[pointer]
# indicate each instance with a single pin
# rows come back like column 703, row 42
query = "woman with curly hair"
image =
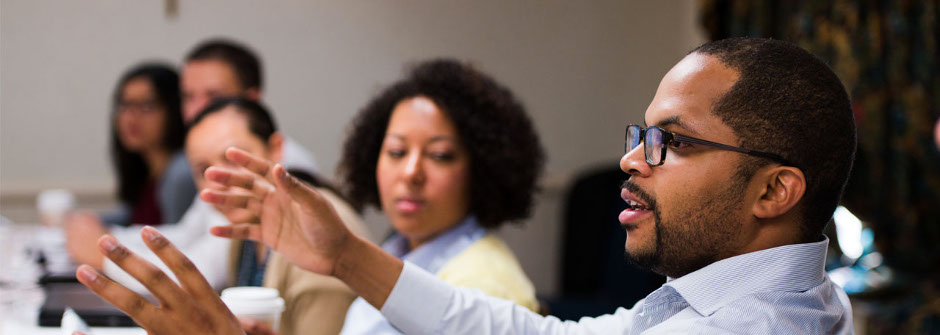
column 449, row 155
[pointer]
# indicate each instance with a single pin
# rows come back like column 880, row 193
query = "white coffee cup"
column 53, row 205
column 260, row 304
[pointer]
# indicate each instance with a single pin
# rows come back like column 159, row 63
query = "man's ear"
column 276, row 147
column 253, row 94
column 782, row 188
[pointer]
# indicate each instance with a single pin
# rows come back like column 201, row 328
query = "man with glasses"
column 749, row 145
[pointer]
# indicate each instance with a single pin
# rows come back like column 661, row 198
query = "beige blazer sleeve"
column 314, row 304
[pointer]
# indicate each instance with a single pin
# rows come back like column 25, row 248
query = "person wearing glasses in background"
column 738, row 232
column 154, row 184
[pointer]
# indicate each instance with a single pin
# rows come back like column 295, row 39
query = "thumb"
column 297, row 189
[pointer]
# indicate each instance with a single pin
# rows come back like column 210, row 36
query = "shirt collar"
column 789, row 268
column 431, row 256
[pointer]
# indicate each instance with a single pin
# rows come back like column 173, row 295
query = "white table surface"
column 20, row 297
column 16, row 328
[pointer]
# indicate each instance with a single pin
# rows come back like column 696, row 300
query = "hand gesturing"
column 191, row 307
column 295, row 220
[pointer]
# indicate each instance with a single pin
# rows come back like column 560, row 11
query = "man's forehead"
column 226, row 123
column 676, row 122
column 686, row 95
column 210, row 71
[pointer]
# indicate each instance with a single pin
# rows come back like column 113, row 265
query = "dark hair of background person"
column 132, row 170
column 505, row 154
column 262, row 125
column 244, row 62
column 789, row 102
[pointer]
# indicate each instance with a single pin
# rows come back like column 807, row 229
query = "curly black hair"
column 506, row 157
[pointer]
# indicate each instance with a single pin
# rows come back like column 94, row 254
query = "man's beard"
column 694, row 236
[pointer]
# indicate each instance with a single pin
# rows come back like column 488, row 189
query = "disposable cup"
column 260, row 304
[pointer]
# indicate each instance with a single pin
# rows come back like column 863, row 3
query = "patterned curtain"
column 886, row 53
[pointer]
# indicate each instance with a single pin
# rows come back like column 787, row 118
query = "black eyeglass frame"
column 670, row 137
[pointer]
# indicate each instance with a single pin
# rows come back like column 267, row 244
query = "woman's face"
column 140, row 116
column 423, row 171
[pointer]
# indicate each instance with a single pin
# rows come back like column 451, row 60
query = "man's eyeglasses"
column 656, row 140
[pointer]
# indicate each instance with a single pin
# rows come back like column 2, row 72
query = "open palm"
column 296, row 220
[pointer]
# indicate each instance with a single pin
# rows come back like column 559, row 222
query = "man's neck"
column 769, row 234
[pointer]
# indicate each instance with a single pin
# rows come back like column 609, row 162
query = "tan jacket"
column 314, row 304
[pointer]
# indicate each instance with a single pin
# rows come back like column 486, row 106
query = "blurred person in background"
column 449, row 155
column 154, row 183
column 225, row 68
column 314, row 304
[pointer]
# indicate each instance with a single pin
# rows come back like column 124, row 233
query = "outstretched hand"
column 295, row 219
column 191, row 307
column 300, row 224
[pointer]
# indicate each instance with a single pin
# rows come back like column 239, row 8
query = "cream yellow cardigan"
column 490, row 266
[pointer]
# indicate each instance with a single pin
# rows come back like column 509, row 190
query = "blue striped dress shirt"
column 782, row 290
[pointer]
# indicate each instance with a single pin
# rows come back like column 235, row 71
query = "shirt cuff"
column 418, row 301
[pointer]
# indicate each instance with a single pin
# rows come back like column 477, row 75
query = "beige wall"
column 584, row 70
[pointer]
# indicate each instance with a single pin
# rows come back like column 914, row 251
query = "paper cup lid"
column 252, row 300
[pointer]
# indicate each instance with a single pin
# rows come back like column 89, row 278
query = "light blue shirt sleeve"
column 423, row 304
column 781, row 290
column 362, row 318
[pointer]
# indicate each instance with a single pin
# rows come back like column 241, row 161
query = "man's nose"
column 634, row 162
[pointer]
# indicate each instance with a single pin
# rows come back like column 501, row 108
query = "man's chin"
column 646, row 259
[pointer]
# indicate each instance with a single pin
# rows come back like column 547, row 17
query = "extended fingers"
column 231, row 177
column 254, row 163
column 241, row 179
column 243, row 231
column 157, row 282
column 138, row 308
column 297, row 189
column 186, row 272
column 231, row 199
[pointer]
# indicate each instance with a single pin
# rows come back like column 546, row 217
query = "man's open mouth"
column 634, row 205
column 633, row 201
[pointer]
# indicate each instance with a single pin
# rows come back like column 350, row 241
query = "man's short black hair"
column 506, row 156
column 789, row 102
column 244, row 62
column 260, row 121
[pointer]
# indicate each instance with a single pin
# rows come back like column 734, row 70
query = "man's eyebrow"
column 677, row 122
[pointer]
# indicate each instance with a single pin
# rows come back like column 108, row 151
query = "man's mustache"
column 639, row 193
